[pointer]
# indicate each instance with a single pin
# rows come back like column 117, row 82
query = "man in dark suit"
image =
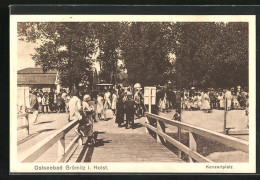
column 34, row 106
column 51, row 100
column 178, row 101
column 129, row 110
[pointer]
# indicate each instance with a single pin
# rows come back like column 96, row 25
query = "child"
column 176, row 116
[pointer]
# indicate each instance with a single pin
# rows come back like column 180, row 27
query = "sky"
column 24, row 50
column 25, row 59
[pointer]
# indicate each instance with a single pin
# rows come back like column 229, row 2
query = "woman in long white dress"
column 221, row 101
column 205, row 104
column 164, row 103
column 99, row 106
column 114, row 100
column 107, row 104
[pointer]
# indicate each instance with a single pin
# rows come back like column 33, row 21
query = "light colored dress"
column 199, row 101
column 228, row 96
column 99, row 104
column 114, row 99
column 75, row 108
column 236, row 104
column 107, row 103
column 164, row 102
column 205, row 104
column 221, row 101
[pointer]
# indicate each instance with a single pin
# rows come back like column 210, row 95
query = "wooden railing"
column 33, row 153
column 25, row 122
column 156, row 124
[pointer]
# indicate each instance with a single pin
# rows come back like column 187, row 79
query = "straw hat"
column 86, row 97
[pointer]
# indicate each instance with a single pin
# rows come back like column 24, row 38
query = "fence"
column 33, row 153
column 156, row 124
column 25, row 124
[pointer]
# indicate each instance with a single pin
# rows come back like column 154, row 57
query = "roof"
column 23, row 79
column 104, row 84
column 36, row 71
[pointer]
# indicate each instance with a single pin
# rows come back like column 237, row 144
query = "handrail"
column 33, row 153
column 229, row 141
column 22, row 115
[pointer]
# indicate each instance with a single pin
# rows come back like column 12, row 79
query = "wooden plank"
column 192, row 145
column 61, row 148
column 22, row 115
column 125, row 148
column 22, row 127
column 229, row 141
column 180, row 146
column 69, row 150
column 35, row 151
column 160, row 127
column 238, row 132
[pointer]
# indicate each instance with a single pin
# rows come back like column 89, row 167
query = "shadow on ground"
column 89, row 149
column 33, row 135
column 44, row 122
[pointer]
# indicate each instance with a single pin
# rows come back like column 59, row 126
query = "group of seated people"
column 206, row 99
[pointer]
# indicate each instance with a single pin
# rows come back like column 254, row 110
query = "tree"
column 108, row 35
column 211, row 54
column 65, row 46
column 202, row 54
column 145, row 51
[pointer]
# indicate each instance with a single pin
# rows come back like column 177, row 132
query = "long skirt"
column 86, row 125
column 199, row 104
column 120, row 112
column 228, row 103
column 205, row 105
column 40, row 107
column 99, row 109
column 236, row 104
column 113, row 104
column 222, row 103
column 164, row 104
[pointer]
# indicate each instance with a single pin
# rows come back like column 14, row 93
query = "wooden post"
column 80, row 141
column 28, row 124
column 24, row 100
column 160, row 127
column 150, row 109
column 179, row 136
column 225, row 117
column 25, row 118
column 192, row 144
column 61, row 147
column 25, row 123
column 150, row 101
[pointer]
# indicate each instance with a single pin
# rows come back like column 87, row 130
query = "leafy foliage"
column 211, row 54
column 64, row 46
column 201, row 54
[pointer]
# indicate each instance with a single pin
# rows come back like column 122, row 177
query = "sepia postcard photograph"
column 132, row 93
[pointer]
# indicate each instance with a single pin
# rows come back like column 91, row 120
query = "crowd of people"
column 126, row 104
column 206, row 100
column 119, row 102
